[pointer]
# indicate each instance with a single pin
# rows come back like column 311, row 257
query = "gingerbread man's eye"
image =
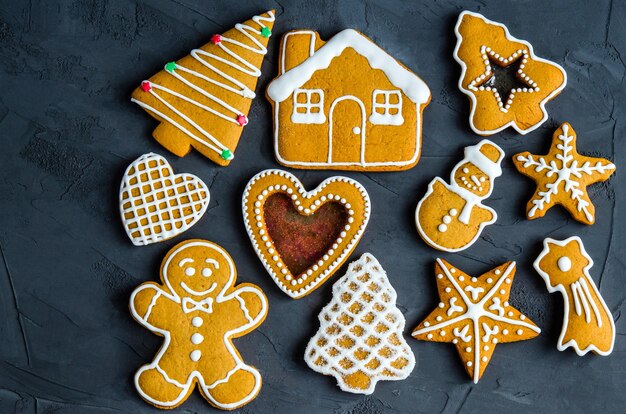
column 190, row 271
column 206, row 272
column 465, row 170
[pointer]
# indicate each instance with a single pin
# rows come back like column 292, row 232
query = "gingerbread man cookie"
column 508, row 85
column 198, row 311
column 475, row 315
column 587, row 322
column 450, row 217
column 562, row 177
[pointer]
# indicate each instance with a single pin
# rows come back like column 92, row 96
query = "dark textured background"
column 67, row 341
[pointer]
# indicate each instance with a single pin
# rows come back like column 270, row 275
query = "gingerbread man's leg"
column 241, row 386
column 155, row 387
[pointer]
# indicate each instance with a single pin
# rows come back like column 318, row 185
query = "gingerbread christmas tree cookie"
column 360, row 341
column 588, row 324
column 451, row 217
column 203, row 99
column 508, row 85
column 198, row 310
column 562, row 177
column 475, row 315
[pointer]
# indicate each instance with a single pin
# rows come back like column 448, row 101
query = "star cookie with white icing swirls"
column 562, row 177
column 474, row 314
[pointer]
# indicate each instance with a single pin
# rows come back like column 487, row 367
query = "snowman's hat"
column 487, row 156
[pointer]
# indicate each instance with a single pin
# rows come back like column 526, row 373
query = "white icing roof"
column 413, row 87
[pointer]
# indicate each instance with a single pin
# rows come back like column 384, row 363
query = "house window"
column 386, row 108
column 308, row 106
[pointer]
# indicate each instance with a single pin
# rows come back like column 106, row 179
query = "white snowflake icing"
column 569, row 166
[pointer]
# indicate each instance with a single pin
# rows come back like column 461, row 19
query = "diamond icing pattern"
column 157, row 204
column 360, row 341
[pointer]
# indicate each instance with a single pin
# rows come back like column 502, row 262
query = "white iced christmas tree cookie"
column 360, row 341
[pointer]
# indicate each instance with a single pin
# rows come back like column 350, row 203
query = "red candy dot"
column 145, row 86
column 216, row 39
column 242, row 119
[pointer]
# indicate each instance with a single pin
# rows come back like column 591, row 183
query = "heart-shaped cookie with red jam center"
column 303, row 237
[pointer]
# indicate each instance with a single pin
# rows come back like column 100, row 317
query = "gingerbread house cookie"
column 508, row 85
column 345, row 104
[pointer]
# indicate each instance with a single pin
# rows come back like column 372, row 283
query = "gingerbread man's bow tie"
column 205, row 305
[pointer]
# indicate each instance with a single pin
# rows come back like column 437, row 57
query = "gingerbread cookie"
column 156, row 204
column 562, row 177
column 198, row 310
column 360, row 341
column 587, row 322
column 508, row 85
column 203, row 99
column 450, row 217
column 303, row 237
column 345, row 104
column 475, row 315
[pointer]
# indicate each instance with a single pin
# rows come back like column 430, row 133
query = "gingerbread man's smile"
column 195, row 292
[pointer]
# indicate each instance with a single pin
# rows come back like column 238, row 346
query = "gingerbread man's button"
column 197, row 321
column 197, row 338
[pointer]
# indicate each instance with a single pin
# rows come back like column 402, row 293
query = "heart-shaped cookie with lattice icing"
column 302, row 237
column 156, row 204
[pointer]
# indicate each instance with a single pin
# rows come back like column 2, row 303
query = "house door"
column 346, row 133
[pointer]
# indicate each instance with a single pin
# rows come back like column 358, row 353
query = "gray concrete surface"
column 68, row 130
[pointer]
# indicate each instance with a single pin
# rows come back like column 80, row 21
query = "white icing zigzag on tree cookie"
column 240, row 89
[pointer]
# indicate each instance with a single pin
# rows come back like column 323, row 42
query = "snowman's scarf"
column 470, row 198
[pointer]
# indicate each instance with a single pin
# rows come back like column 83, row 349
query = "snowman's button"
column 442, row 228
column 197, row 321
column 453, row 212
column 197, row 338
column 447, row 219
column 195, row 355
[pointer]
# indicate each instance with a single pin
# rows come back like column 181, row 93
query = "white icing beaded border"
column 470, row 93
column 305, row 195
column 487, row 52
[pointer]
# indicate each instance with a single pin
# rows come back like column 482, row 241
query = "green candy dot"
column 226, row 154
column 265, row 32
column 170, row 66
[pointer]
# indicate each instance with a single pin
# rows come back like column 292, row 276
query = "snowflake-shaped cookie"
column 562, row 177
column 474, row 314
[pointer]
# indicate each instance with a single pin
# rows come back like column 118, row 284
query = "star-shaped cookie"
column 562, row 177
column 474, row 314
column 508, row 85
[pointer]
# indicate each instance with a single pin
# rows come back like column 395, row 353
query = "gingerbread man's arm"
column 149, row 303
column 246, row 308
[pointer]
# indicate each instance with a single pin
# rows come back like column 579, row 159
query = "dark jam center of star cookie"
column 302, row 240
column 505, row 79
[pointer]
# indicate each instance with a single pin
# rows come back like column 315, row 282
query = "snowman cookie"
column 450, row 217
column 198, row 311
